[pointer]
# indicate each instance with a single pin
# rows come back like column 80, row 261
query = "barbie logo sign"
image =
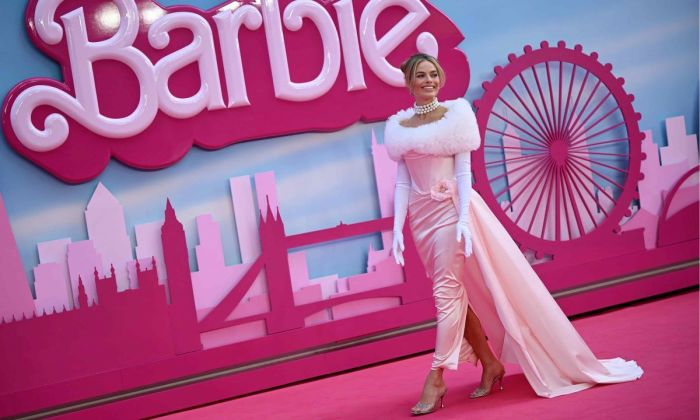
column 144, row 83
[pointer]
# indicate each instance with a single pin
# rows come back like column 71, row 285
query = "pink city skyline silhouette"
column 100, row 308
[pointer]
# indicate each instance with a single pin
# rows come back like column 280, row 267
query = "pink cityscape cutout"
column 99, row 307
column 663, row 169
column 62, row 262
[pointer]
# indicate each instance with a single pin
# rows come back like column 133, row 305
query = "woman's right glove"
column 463, row 173
column 401, row 192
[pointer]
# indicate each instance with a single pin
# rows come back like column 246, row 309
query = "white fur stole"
column 456, row 132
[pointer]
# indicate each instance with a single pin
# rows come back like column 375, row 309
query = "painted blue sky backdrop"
column 325, row 178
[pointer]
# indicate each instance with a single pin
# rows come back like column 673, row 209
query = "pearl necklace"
column 424, row 109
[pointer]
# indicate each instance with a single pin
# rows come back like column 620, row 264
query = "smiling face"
column 426, row 82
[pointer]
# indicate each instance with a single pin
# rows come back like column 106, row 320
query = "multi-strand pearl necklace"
column 424, row 109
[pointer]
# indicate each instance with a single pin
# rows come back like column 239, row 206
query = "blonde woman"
column 479, row 275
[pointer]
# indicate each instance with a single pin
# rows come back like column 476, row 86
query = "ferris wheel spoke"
column 512, row 171
column 513, row 199
column 600, row 188
column 612, row 127
column 542, row 135
column 597, row 173
column 534, row 103
column 532, row 156
column 516, row 182
column 590, row 193
column 507, row 121
column 550, row 181
column 615, row 168
column 503, row 133
column 592, row 145
column 566, row 194
column 578, row 97
column 537, row 149
column 585, row 105
column 576, row 135
column 557, row 208
column 561, row 64
column 527, row 108
column 599, row 153
column 555, row 129
column 574, row 207
column 539, row 200
column 570, row 175
column 575, row 131
column 534, row 192
column 564, row 120
column 544, row 103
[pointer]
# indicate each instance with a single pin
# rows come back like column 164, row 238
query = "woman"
column 496, row 285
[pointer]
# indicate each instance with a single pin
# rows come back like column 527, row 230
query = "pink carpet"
column 661, row 335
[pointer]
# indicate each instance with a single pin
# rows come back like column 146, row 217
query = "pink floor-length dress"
column 523, row 322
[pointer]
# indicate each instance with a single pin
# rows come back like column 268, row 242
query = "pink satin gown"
column 523, row 322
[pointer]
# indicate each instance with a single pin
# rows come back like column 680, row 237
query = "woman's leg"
column 451, row 304
column 492, row 367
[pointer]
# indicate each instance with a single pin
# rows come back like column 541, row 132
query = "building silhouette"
column 177, row 266
column 116, row 329
column 15, row 297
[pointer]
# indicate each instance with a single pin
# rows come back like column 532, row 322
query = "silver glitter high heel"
column 426, row 408
column 482, row 392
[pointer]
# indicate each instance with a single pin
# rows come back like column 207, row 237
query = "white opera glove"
column 401, row 192
column 463, row 174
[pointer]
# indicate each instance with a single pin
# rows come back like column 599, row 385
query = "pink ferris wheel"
column 561, row 152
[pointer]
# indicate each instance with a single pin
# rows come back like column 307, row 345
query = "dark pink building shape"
column 177, row 267
column 282, row 297
column 124, row 329
column 15, row 297
column 134, row 327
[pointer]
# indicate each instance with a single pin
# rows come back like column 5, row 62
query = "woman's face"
column 426, row 82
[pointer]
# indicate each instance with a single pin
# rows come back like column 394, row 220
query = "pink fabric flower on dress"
column 443, row 190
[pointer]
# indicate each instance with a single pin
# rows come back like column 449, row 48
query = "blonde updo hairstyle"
column 409, row 67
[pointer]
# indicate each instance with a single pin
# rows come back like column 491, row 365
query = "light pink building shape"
column 246, row 218
column 106, row 227
column 385, row 179
column 51, row 279
column 662, row 169
column 50, row 291
column 213, row 280
column 83, row 260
